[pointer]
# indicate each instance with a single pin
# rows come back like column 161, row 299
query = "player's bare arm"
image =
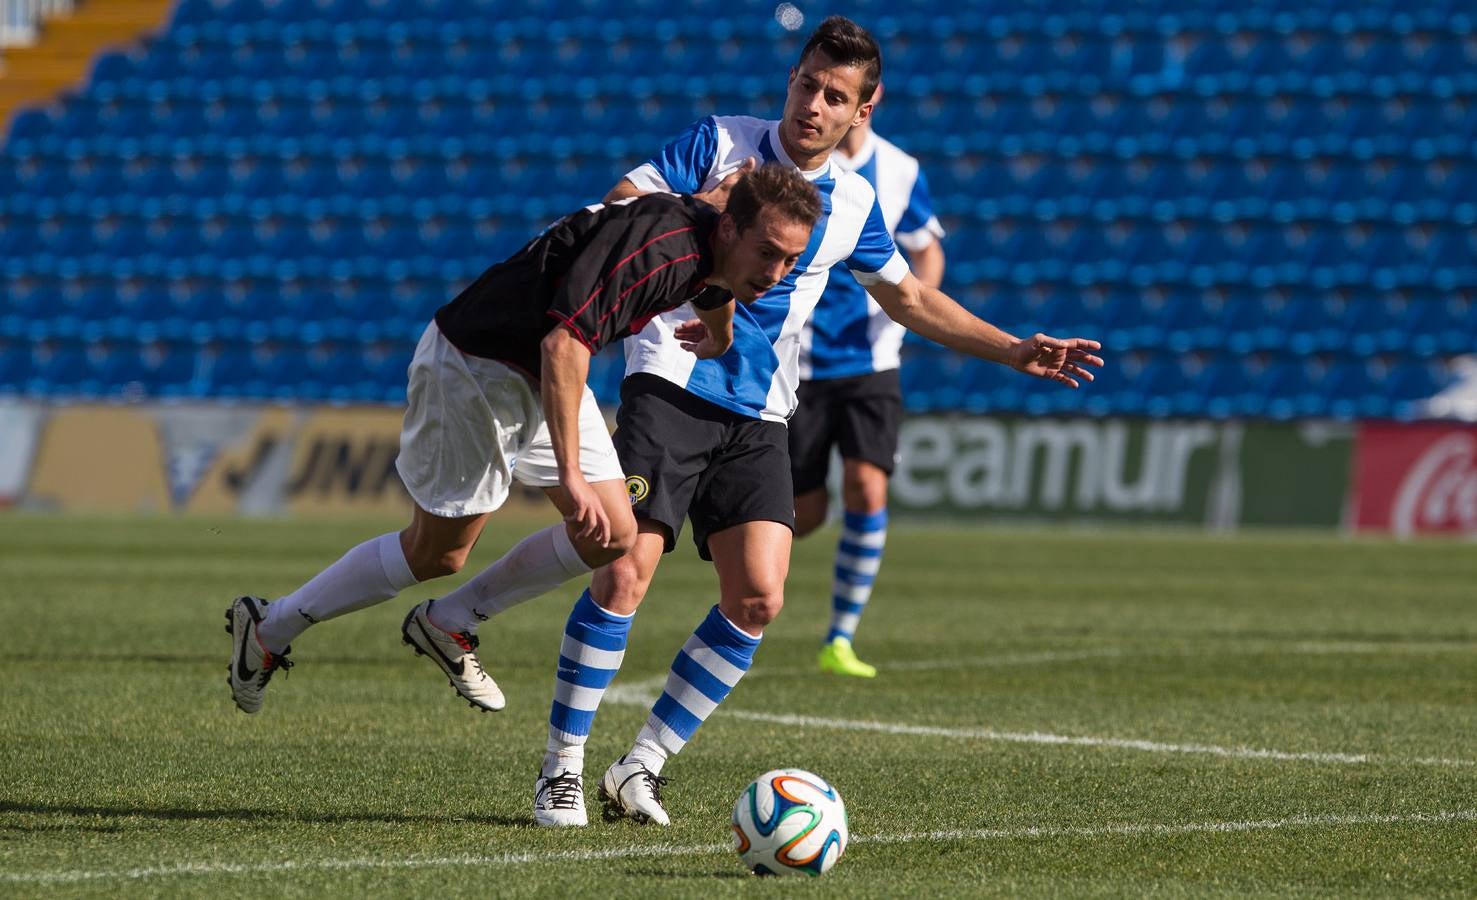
column 927, row 264
column 565, row 367
column 717, row 197
column 939, row 317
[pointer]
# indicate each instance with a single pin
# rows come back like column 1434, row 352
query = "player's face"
column 822, row 104
column 760, row 256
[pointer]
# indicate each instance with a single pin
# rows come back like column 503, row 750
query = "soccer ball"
column 789, row 822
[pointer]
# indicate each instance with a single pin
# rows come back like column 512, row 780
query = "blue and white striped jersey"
column 849, row 333
column 757, row 377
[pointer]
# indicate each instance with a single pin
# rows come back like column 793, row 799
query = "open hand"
column 697, row 340
column 1056, row 359
column 588, row 515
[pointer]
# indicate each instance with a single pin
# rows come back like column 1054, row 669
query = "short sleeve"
column 683, row 164
column 919, row 226
column 629, row 268
column 876, row 257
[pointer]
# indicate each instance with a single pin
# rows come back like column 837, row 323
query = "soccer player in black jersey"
column 497, row 393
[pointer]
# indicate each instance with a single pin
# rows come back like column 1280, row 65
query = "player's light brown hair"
column 774, row 185
column 849, row 44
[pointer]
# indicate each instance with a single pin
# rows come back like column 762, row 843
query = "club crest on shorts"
column 637, row 488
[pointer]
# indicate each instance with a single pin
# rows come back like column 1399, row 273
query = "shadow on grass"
column 251, row 815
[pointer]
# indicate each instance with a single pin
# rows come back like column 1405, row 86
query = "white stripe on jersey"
column 894, row 175
column 763, row 385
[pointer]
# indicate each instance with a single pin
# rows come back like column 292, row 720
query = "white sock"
column 541, row 562
column 648, row 750
column 371, row 573
column 560, row 757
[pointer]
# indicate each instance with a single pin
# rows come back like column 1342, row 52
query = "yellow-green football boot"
column 838, row 658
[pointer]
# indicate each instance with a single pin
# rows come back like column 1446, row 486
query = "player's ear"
column 728, row 230
column 864, row 112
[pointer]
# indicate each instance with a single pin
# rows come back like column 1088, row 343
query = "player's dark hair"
column 849, row 44
column 777, row 185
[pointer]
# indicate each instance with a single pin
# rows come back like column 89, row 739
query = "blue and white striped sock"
column 594, row 645
column 858, row 557
column 705, row 670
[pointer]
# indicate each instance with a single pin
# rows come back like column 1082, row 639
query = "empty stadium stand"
column 1265, row 209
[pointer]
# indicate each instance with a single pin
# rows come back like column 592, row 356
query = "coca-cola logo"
column 1439, row 491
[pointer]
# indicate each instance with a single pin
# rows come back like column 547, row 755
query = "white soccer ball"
column 789, row 822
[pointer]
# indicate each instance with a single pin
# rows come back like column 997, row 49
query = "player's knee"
column 427, row 562
column 619, row 586
column 622, row 536
column 753, row 613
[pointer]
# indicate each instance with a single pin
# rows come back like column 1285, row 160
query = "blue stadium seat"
column 1221, row 181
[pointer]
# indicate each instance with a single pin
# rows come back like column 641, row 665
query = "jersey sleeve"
column 919, row 226
column 876, row 257
column 628, row 269
column 683, row 164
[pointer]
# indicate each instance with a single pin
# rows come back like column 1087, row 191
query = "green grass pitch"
column 1059, row 713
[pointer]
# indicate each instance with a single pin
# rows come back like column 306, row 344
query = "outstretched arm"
column 565, row 368
column 938, row 317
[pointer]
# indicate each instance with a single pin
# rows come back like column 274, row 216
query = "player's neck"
column 854, row 141
column 802, row 162
column 718, row 256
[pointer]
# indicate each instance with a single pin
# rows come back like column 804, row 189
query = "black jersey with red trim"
column 603, row 272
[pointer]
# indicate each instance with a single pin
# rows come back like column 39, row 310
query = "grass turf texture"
column 126, row 770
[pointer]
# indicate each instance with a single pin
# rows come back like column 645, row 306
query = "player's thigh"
column 812, row 433
column 752, row 561
column 465, row 420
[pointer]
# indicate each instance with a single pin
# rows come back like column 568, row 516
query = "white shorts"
column 473, row 425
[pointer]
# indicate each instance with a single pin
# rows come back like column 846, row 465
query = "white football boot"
column 251, row 665
column 559, row 799
column 633, row 791
column 453, row 653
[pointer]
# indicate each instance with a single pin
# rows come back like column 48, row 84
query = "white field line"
column 1301, row 648
column 668, row 850
column 644, row 692
column 1037, row 737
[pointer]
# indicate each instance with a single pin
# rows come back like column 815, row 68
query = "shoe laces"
column 654, row 783
column 271, row 662
column 563, row 791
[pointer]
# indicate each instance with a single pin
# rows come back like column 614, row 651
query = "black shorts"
column 684, row 456
column 860, row 414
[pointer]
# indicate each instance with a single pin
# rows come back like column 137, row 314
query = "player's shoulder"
column 739, row 134
column 891, row 156
column 748, row 126
column 663, row 211
column 852, row 190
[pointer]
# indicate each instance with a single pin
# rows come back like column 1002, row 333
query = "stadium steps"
column 63, row 54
